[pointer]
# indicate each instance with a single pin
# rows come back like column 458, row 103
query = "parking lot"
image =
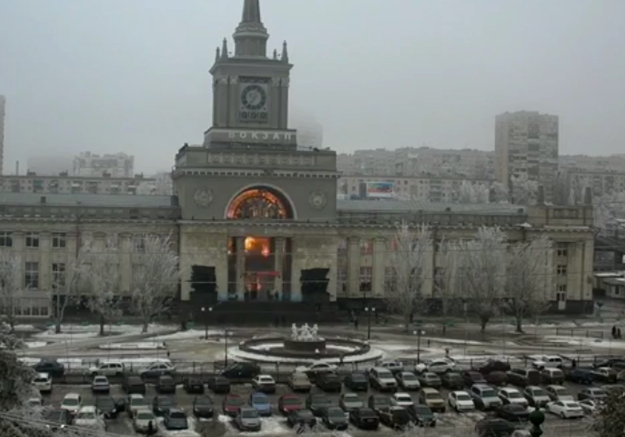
column 276, row 425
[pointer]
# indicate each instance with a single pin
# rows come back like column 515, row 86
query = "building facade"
column 118, row 165
column 65, row 184
column 256, row 221
column 526, row 143
column 2, row 115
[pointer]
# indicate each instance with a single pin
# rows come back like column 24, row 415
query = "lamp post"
column 206, row 311
column 418, row 326
column 225, row 347
column 465, row 308
column 369, row 310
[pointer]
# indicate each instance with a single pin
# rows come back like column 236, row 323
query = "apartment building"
column 600, row 182
column 65, row 184
column 118, row 165
column 526, row 142
column 598, row 164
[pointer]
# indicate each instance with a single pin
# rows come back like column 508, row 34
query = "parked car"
column 51, row 367
column 203, row 407
column 471, row 377
column 241, row 370
column 497, row 378
column 141, row 421
column 135, row 402
column 301, row 419
column 231, row 404
column 406, row 381
column 493, row 366
column 157, row 369
column 193, row 385
column 512, row 396
column 350, row 401
column 524, row 377
column 580, row 375
column 460, row 401
column 429, row 379
column 71, row 403
column 494, row 427
column 100, row 384
column 422, row 415
column 317, row 402
column 513, row 412
column 57, row 419
column 264, row 383
column 175, row 419
column 615, row 363
column 165, row 384
column 357, row 381
column 218, row 384
column 329, row 382
column 433, row 399
column 536, row 396
column 484, row 397
column 438, row 366
column 452, row 381
column 378, row 402
column 161, row 404
column 260, row 402
column 364, row 418
column 247, row 419
column 401, row 400
column 133, row 385
column 589, row 406
column 606, row 375
column 316, row 368
column 43, row 382
column 382, row 379
column 395, row 418
column 108, row 368
column 334, row 418
column 593, row 393
column 88, row 417
column 289, row 403
column 566, row 410
column 550, row 375
column 558, row 393
column 108, row 407
column 299, row 382
column 547, row 361
column 393, row 365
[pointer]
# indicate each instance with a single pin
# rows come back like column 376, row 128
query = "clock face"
column 254, row 97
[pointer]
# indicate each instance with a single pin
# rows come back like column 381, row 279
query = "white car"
column 589, row 406
column 34, row 403
column 547, row 361
column 136, row 402
column 408, row 381
column 142, row 419
column 460, row 401
column 392, row 365
column 512, row 396
column 71, row 403
column 157, row 369
column 317, row 367
column 108, row 368
column 264, row 383
column 43, row 382
column 89, row 417
column 565, row 410
column 100, row 384
column 559, row 393
column 402, row 400
column 438, row 366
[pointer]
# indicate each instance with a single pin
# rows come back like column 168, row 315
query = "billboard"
column 380, row 190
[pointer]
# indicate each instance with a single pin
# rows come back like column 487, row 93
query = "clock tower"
column 250, row 89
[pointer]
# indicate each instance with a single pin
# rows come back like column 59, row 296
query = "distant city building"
column 66, row 184
column 119, row 165
column 2, row 114
column 50, row 165
column 604, row 164
column 526, row 142
column 600, row 183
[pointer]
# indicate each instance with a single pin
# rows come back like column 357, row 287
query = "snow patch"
column 71, row 332
column 72, row 364
column 34, row 344
column 372, row 355
column 586, row 341
column 133, row 346
column 191, row 334
column 182, row 433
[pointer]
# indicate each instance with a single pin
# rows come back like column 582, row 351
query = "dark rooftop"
column 110, row 200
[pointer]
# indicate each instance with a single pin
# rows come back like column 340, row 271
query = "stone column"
column 45, row 263
column 379, row 266
column 240, row 248
column 279, row 244
column 296, row 271
column 353, row 266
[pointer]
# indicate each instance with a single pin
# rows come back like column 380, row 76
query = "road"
column 449, row 424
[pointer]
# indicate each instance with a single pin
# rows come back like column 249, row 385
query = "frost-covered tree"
column 608, row 208
column 156, row 276
column 499, row 193
column 523, row 190
column 610, row 417
column 102, row 281
column 68, row 283
column 446, row 281
column 472, row 193
column 11, row 292
column 407, row 263
column 526, row 279
column 482, row 270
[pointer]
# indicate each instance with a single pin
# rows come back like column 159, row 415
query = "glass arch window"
column 259, row 204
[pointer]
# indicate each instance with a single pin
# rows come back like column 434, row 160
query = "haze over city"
column 133, row 76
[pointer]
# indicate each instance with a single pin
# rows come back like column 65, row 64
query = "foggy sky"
column 132, row 75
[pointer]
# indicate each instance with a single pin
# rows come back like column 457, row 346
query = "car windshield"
column 400, row 414
column 138, row 402
column 260, row 400
column 598, row 392
column 305, row 414
column 40, row 380
column 70, row 402
column 351, row 397
column 266, row 380
column 235, row 401
column 539, row 392
column 55, row 416
column 300, row 377
column 359, row 377
column 145, row 415
column 409, row 377
column 385, row 374
column 203, row 401
column 559, row 390
column 166, row 400
column 177, row 415
column 381, row 400
column 431, row 376
column 335, row 412
column 463, row 397
column 571, row 405
column 367, row 414
column 104, row 402
column 403, row 398
column 291, row 401
column 488, row 393
column 249, row 414
column 423, row 410
column 432, row 396
column 516, row 407
column 514, row 395
column 86, row 415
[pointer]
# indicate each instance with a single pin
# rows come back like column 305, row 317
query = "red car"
column 289, row 403
column 231, row 404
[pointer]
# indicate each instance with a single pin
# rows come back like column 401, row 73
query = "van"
column 43, row 382
column 433, row 399
column 382, row 379
column 133, row 385
column 484, row 397
column 524, row 377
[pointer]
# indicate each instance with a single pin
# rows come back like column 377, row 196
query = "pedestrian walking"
column 613, row 331
column 168, row 354
column 356, row 323
column 618, row 333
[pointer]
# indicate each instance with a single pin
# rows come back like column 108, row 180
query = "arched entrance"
column 259, row 266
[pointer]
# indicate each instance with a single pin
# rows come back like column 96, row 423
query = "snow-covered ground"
column 191, row 334
column 72, row 364
column 142, row 345
column 35, row 344
column 71, row 333
column 586, row 342
column 372, row 355
column 182, row 433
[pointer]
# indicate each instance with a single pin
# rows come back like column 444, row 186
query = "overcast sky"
column 132, row 75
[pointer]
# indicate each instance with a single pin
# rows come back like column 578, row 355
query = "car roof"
column 460, row 392
column 87, row 409
column 265, row 376
column 259, row 394
column 136, row 396
column 247, row 407
column 71, row 396
column 43, row 375
column 380, row 369
column 482, row 386
column 429, row 390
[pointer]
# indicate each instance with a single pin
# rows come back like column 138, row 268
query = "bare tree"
column 523, row 190
column 482, row 270
column 103, row 281
column 407, row 264
column 156, row 276
column 526, row 279
column 472, row 193
column 446, row 283
column 67, row 283
column 11, row 292
column 499, row 193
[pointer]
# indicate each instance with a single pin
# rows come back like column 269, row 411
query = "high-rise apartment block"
column 526, row 142
column 118, row 165
column 2, row 106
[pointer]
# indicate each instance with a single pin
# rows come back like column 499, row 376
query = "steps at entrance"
column 269, row 312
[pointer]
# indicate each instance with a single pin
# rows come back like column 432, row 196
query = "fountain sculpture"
column 305, row 339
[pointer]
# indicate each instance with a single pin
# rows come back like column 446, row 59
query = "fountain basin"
column 309, row 346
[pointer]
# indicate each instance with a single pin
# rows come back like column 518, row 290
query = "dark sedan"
column 421, row 415
column 471, row 377
column 329, row 382
column 357, row 382
column 301, row 418
column 108, row 406
column 51, row 367
column 364, row 418
column 452, row 381
column 493, row 366
column 334, row 418
column 219, row 384
column 317, row 403
column 162, row 404
column 193, row 385
column 203, row 407
column 395, row 418
column 165, row 384
column 513, row 413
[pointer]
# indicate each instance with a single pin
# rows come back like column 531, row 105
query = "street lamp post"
column 465, row 308
column 369, row 310
column 206, row 311
column 418, row 326
column 225, row 346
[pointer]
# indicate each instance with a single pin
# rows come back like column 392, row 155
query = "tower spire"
column 285, row 53
column 250, row 36
column 251, row 12
column 224, row 49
